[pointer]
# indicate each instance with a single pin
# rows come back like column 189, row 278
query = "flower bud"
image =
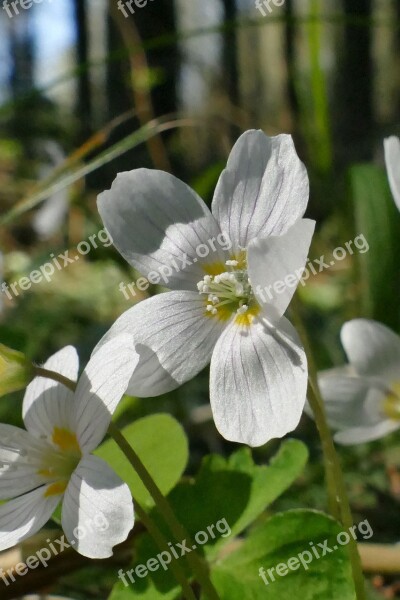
column 16, row 371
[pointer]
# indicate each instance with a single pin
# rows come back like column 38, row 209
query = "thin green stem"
column 198, row 565
column 318, row 408
column 346, row 516
column 339, row 500
column 151, row 527
column 328, row 449
column 41, row 372
column 162, row 543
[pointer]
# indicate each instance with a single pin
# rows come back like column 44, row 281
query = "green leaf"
column 377, row 218
column 162, row 445
column 236, row 489
column 144, row 591
column 225, row 498
column 283, row 537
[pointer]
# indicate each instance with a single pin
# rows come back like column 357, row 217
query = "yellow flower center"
column 391, row 404
column 227, row 291
column 58, row 465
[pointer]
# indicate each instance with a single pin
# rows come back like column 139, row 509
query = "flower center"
column 229, row 293
column 391, row 404
column 58, row 465
column 54, row 459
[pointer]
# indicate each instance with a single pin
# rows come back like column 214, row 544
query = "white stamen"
column 242, row 309
column 230, row 289
column 239, row 289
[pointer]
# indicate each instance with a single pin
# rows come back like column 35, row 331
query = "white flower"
column 52, row 214
column 392, row 158
column 51, row 461
column 363, row 399
column 221, row 307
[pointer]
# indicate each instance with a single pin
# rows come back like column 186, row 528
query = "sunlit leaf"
column 282, row 538
column 161, row 443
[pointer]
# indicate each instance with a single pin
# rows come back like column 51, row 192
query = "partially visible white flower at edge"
column 392, row 159
column 363, row 399
column 52, row 461
column 219, row 309
column 52, row 214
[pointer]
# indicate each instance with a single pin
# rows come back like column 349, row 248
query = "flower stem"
column 41, row 372
column 346, row 517
column 338, row 498
column 162, row 543
column 327, row 450
column 198, row 565
column 151, row 527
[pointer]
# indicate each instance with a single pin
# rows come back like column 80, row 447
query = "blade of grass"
column 131, row 141
column 320, row 123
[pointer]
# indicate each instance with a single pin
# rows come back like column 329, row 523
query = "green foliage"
column 282, row 537
column 232, row 492
column 161, row 444
column 236, row 489
column 377, row 218
column 121, row 592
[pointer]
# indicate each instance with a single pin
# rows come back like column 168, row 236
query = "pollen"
column 214, row 268
column 56, row 489
column 60, row 460
column 391, row 405
column 228, row 293
column 246, row 319
column 65, row 440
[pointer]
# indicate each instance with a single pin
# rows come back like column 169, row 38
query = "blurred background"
column 89, row 88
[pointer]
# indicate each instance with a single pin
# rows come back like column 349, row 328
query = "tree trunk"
column 354, row 103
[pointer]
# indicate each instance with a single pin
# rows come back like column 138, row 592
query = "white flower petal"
column 100, row 389
column 392, row 158
column 24, row 516
column 97, row 511
column 155, row 220
column 258, row 383
column 48, row 404
column 276, row 265
column 21, row 457
column 360, row 435
column 350, row 401
column 263, row 190
column 372, row 348
column 174, row 338
column 51, row 215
